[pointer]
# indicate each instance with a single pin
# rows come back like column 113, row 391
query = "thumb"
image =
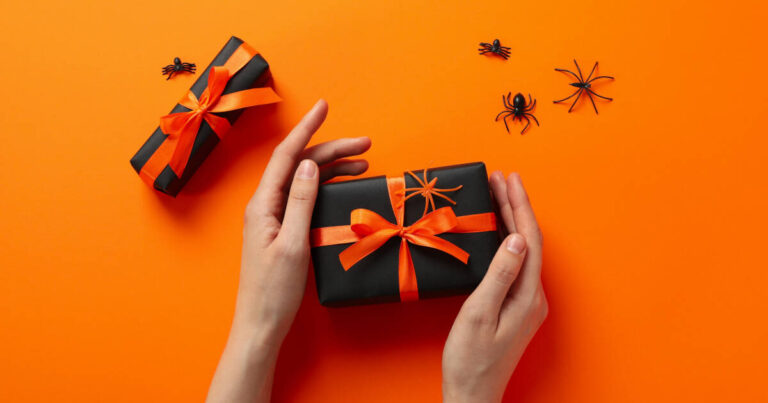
column 301, row 202
column 502, row 272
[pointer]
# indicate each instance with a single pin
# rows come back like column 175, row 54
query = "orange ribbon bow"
column 182, row 127
column 368, row 231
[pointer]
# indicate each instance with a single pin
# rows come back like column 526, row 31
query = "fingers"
column 330, row 151
column 527, row 226
column 301, row 202
column 499, row 188
column 286, row 154
column 342, row 167
column 493, row 289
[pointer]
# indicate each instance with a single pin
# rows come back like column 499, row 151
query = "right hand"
column 499, row 319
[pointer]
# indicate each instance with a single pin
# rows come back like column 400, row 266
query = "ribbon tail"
column 431, row 241
column 183, row 149
column 406, row 273
column 364, row 247
column 246, row 98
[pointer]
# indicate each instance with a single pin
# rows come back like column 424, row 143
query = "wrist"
column 254, row 344
column 466, row 394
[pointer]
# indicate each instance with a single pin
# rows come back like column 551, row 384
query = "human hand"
column 499, row 319
column 276, row 233
column 275, row 255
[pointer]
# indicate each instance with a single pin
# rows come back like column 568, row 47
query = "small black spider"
column 496, row 48
column 518, row 109
column 178, row 66
column 583, row 86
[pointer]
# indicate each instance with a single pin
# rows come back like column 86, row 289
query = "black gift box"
column 254, row 74
column 374, row 279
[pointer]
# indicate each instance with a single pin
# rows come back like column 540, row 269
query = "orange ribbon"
column 368, row 231
column 181, row 128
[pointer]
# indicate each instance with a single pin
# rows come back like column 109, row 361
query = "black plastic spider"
column 178, row 66
column 583, row 86
column 496, row 48
column 518, row 109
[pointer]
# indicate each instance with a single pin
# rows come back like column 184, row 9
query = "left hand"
column 273, row 273
column 275, row 257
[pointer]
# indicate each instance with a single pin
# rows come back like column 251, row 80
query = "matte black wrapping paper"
column 374, row 279
column 254, row 74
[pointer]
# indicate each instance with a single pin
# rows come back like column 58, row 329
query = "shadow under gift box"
column 254, row 74
column 374, row 279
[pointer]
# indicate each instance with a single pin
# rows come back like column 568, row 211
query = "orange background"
column 654, row 211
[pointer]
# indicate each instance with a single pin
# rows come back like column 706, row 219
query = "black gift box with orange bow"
column 236, row 78
column 363, row 253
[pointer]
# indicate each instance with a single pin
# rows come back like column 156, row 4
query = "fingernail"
column 516, row 244
column 306, row 170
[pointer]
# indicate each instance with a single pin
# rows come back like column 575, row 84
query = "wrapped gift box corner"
column 374, row 279
column 254, row 74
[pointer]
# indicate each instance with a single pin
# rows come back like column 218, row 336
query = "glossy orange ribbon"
column 368, row 231
column 182, row 127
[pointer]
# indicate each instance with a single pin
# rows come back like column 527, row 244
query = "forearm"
column 247, row 366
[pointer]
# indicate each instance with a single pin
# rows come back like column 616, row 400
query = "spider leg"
column 444, row 197
column 530, row 106
column 568, row 71
column 598, row 95
column 534, row 118
column 529, row 100
column 497, row 116
column 483, row 51
column 485, row 45
column 599, row 77
column 528, row 122
column 505, row 121
column 505, row 47
column 575, row 100
column 593, row 101
column 507, row 104
column 561, row 100
column 170, row 75
column 590, row 73
column 581, row 77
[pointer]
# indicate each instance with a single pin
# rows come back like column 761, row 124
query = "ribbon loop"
column 376, row 231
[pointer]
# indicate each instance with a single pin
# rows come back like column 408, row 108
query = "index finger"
column 283, row 162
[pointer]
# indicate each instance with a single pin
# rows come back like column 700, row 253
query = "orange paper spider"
column 428, row 190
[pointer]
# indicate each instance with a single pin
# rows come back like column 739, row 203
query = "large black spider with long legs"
column 177, row 67
column 518, row 108
column 584, row 86
column 495, row 48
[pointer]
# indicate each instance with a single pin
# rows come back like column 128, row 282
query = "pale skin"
column 491, row 331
